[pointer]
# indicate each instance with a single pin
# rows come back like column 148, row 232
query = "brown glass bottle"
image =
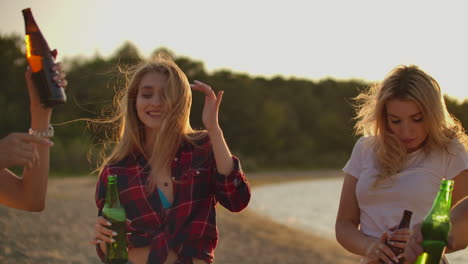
column 404, row 223
column 41, row 60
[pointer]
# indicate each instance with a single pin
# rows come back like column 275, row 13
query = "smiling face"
column 150, row 103
column 406, row 120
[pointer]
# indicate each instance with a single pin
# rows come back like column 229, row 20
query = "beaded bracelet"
column 45, row 133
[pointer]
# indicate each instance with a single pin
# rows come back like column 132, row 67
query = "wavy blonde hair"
column 404, row 83
column 175, row 127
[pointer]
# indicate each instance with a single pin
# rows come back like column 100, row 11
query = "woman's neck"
column 150, row 139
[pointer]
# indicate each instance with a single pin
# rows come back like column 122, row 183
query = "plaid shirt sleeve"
column 233, row 190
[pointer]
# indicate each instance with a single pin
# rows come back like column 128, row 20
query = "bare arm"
column 459, row 214
column 347, row 228
column 221, row 151
column 460, row 189
column 28, row 193
column 223, row 157
column 458, row 238
column 348, row 219
column 35, row 178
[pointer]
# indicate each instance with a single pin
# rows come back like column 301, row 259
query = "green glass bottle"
column 113, row 211
column 436, row 226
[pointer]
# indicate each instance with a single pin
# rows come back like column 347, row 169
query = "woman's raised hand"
column 59, row 78
column 211, row 107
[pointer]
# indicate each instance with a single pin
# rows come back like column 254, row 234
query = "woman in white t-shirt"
column 410, row 143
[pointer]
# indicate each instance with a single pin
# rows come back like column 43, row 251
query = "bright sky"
column 313, row 39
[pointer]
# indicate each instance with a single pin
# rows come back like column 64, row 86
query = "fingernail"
column 114, row 233
column 108, row 223
column 99, row 241
column 112, row 240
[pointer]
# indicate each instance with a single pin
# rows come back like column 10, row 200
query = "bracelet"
column 45, row 133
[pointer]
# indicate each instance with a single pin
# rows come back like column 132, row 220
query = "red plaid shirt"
column 189, row 226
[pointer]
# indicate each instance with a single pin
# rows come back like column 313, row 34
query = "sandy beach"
column 60, row 234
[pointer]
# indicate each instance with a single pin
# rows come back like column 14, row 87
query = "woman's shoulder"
column 365, row 142
column 455, row 147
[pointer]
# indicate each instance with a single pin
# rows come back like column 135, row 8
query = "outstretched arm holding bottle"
column 458, row 236
column 31, row 151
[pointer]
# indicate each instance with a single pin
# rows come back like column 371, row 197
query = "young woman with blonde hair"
column 170, row 176
column 409, row 144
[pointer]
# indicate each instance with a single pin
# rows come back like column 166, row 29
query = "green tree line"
column 270, row 123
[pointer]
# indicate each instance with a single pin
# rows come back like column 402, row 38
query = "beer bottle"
column 41, row 60
column 404, row 223
column 436, row 226
column 113, row 211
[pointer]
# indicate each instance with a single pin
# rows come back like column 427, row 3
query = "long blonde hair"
column 404, row 83
column 175, row 126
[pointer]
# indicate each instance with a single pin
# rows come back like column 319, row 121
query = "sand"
column 61, row 233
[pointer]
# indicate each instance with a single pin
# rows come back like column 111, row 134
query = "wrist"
column 215, row 132
column 368, row 245
column 39, row 110
column 40, row 120
column 47, row 133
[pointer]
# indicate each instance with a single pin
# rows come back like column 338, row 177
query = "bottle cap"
column 447, row 184
column 112, row 178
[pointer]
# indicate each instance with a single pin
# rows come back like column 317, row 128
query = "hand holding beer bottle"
column 113, row 217
column 436, row 226
column 41, row 60
column 397, row 242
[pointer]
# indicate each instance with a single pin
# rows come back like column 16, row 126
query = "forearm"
column 221, row 152
column 352, row 239
column 35, row 179
column 11, row 189
column 459, row 231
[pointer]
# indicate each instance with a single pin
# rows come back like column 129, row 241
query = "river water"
column 311, row 206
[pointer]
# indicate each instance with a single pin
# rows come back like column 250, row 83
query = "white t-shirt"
column 414, row 188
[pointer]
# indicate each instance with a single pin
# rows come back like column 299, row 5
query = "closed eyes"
column 416, row 120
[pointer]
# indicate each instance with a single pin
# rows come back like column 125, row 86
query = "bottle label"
column 116, row 214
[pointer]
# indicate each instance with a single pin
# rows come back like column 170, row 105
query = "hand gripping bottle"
column 41, row 59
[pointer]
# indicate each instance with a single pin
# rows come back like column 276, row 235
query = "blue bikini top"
column 166, row 204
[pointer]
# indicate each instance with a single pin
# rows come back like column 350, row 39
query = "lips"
column 408, row 141
column 154, row 114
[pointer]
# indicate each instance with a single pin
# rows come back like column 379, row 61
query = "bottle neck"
column 442, row 204
column 112, row 195
column 405, row 220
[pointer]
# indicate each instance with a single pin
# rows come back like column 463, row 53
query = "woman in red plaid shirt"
column 170, row 176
